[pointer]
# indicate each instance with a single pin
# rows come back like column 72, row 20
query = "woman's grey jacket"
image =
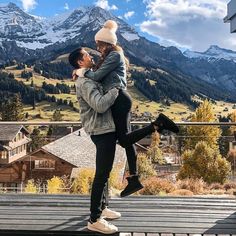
column 112, row 72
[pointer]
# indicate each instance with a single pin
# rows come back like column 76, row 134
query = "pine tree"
column 12, row 110
column 57, row 116
column 37, row 140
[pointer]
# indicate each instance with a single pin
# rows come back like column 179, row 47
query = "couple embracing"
column 105, row 107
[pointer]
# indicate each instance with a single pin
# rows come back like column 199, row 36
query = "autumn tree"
column 145, row 166
column 208, row 133
column 202, row 158
column 204, row 162
column 55, row 185
column 154, row 152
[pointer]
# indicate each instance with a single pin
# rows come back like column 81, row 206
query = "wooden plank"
column 54, row 214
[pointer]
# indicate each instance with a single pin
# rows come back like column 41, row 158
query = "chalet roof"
column 79, row 150
column 8, row 132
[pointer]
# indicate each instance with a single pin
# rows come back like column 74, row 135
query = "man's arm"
column 99, row 102
column 110, row 63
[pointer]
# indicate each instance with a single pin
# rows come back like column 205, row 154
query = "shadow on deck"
column 141, row 215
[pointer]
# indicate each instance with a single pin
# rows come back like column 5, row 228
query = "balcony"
column 142, row 215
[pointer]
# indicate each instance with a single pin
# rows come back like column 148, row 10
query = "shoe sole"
column 110, row 218
column 174, row 128
column 99, row 231
column 129, row 193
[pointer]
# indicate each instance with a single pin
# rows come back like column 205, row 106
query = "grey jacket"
column 112, row 72
column 95, row 114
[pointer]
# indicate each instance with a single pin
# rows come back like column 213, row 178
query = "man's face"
column 87, row 61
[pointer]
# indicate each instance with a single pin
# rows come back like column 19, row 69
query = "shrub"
column 83, row 182
column 230, row 185
column 55, row 185
column 217, row 191
column 30, row 187
column 155, row 186
column 181, row 192
column 216, row 186
column 204, row 162
column 145, row 166
column 194, row 185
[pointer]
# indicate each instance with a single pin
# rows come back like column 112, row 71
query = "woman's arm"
column 99, row 102
column 110, row 63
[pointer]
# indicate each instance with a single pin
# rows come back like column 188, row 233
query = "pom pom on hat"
column 111, row 24
column 107, row 33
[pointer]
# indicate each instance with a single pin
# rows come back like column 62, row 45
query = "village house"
column 64, row 156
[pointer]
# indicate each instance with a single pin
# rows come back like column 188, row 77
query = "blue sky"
column 192, row 24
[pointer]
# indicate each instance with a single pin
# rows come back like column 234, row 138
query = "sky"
column 187, row 24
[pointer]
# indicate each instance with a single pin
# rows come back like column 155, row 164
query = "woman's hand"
column 80, row 72
column 74, row 76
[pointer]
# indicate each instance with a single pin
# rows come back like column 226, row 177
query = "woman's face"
column 100, row 48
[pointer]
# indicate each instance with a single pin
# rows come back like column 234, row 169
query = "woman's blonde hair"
column 109, row 48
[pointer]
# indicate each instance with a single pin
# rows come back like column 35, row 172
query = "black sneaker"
column 133, row 186
column 163, row 122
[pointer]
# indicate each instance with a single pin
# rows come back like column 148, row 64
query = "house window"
column 3, row 155
column 44, row 164
column 14, row 152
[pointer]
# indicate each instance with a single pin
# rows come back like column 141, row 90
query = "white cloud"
column 105, row 5
column 66, row 7
column 128, row 14
column 28, row 4
column 191, row 23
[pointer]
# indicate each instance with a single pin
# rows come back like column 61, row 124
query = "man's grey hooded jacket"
column 95, row 113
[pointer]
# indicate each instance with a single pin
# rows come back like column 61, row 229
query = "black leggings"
column 121, row 116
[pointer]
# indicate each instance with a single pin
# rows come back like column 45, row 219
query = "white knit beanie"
column 107, row 33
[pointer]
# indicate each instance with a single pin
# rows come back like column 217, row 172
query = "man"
column 97, row 121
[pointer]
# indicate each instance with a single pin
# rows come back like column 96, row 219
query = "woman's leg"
column 121, row 116
column 105, row 153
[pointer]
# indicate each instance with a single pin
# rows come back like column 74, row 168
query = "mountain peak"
column 9, row 5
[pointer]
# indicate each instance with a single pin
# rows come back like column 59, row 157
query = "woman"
column 111, row 72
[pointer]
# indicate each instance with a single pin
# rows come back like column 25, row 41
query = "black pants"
column 121, row 116
column 105, row 153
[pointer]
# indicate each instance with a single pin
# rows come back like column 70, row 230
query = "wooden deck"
column 68, row 215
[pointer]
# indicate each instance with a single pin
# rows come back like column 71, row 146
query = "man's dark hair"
column 75, row 56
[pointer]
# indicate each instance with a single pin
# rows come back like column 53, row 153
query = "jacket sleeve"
column 110, row 63
column 95, row 99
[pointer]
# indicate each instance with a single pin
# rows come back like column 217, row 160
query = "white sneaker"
column 109, row 214
column 102, row 226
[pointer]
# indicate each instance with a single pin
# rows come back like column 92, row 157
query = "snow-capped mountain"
column 213, row 52
column 24, row 37
column 16, row 23
column 32, row 32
